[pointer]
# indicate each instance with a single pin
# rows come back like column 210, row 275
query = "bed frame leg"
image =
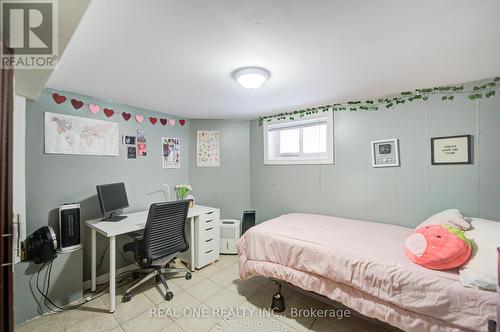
column 278, row 303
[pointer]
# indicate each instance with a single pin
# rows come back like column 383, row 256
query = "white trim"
column 396, row 145
column 300, row 162
column 296, row 123
column 19, row 176
column 330, row 146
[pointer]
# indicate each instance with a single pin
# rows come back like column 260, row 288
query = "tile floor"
column 215, row 299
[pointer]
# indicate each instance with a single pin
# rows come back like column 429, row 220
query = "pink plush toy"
column 438, row 247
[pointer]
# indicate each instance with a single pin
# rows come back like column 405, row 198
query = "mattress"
column 362, row 265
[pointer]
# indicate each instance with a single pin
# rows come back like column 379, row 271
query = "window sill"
column 299, row 162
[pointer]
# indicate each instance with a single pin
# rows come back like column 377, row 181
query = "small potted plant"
column 182, row 190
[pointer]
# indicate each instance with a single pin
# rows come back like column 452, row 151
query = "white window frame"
column 299, row 160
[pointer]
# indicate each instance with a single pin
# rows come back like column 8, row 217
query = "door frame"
column 6, row 199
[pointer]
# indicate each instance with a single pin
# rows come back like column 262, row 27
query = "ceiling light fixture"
column 251, row 77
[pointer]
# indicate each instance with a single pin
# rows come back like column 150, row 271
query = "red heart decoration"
column 58, row 98
column 109, row 112
column 77, row 104
column 163, row 121
column 182, row 122
column 126, row 116
column 153, row 120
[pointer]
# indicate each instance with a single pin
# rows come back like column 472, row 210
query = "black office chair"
column 163, row 239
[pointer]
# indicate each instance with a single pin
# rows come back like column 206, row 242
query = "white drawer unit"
column 207, row 238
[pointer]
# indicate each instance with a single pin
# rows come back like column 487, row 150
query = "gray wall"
column 65, row 287
column 55, row 179
column 403, row 195
column 350, row 188
column 228, row 186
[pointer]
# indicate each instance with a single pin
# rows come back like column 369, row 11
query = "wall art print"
column 207, row 148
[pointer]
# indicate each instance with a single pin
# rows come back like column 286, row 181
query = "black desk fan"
column 41, row 245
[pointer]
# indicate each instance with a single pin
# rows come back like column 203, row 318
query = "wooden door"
column 6, row 254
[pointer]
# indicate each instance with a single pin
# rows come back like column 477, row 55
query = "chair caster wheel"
column 278, row 304
column 127, row 297
column 135, row 275
column 188, row 275
column 157, row 278
column 169, row 296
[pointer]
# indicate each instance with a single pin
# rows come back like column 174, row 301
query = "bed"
column 362, row 265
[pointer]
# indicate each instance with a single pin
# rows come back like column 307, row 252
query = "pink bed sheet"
column 362, row 265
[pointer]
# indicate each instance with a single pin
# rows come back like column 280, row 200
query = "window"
column 305, row 141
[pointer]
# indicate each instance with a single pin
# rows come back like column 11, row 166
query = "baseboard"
column 87, row 284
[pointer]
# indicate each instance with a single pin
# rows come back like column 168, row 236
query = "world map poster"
column 66, row 134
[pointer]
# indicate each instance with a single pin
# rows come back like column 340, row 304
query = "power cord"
column 45, row 293
column 102, row 258
column 53, row 307
column 122, row 254
column 45, row 297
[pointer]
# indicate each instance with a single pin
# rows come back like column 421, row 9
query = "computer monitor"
column 112, row 198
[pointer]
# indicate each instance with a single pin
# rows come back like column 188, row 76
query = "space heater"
column 248, row 220
column 69, row 227
column 229, row 234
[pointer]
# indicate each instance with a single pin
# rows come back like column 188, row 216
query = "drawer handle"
column 207, row 221
column 208, row 240
column 207, row 252
column 209, row 229
column 210, row 212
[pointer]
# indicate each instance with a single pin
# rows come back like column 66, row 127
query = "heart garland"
column 58, row 98
column 126, row 116
column 109, row 112
column 139, row 118
column 77, row 104
column 94, row 109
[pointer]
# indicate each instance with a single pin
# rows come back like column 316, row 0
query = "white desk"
column 134, row 222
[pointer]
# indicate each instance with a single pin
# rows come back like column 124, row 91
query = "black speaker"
column 248, row 220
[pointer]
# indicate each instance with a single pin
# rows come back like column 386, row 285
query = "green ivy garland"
column 488, row 89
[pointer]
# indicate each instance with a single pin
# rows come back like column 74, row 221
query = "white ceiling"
column 177, row 56
column 30, row 83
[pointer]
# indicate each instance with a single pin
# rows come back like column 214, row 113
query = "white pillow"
column 481, row 269
column 451, row 217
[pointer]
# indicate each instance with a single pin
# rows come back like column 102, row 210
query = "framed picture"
column 171, row 152
column 451, row 150
column 385, row 153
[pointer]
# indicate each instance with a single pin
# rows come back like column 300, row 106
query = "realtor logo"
column 29, row 28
